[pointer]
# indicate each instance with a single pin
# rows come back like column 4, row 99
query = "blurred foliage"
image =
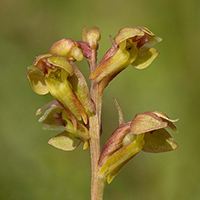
column 32, row 169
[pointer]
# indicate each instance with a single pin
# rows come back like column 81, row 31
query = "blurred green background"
column 32, row 169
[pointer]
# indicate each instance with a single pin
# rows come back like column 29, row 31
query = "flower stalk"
column 97, row 182
column 76, row 109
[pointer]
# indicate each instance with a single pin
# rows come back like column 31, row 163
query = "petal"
column 164, row 116
column 53, row 127
column 167, row 119
column 38, row 58
column 145, row 58
column 128, row 32
column 152, row 41
column 159, row 141
column 37, row 82
column 61, row 62
column 48, row 116
column 146, row 122
column 62, row 47
column 76, row 54
column 130, row 137
column 49, row 104
column 64, row 141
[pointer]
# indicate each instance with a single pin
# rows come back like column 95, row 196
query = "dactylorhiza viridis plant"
column 76, row 110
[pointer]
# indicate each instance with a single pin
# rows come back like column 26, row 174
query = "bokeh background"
column 32, row 169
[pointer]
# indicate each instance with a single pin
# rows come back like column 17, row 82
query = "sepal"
column 146, row 122
column 128, row 32
column 151, row 121
column 114, row 142
column 117, row 160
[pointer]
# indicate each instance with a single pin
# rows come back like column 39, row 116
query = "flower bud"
column 93, row 36
column 67, row 47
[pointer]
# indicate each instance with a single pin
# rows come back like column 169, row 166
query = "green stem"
column 97, row 182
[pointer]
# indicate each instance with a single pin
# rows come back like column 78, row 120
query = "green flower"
column 153, row 125
column 146, row 132
column 56, row 118
column 55, row 73
column 133, row 45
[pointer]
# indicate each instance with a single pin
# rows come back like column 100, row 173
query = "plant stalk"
column 97, row 182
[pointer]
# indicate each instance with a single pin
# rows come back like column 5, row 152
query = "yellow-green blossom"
column 57, row 74
column 146, row 132
column 56, row 118
column 133, row 45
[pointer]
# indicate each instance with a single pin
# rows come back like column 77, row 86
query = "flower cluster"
column 57, row 73
column 147, row 132
column 76, row 111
